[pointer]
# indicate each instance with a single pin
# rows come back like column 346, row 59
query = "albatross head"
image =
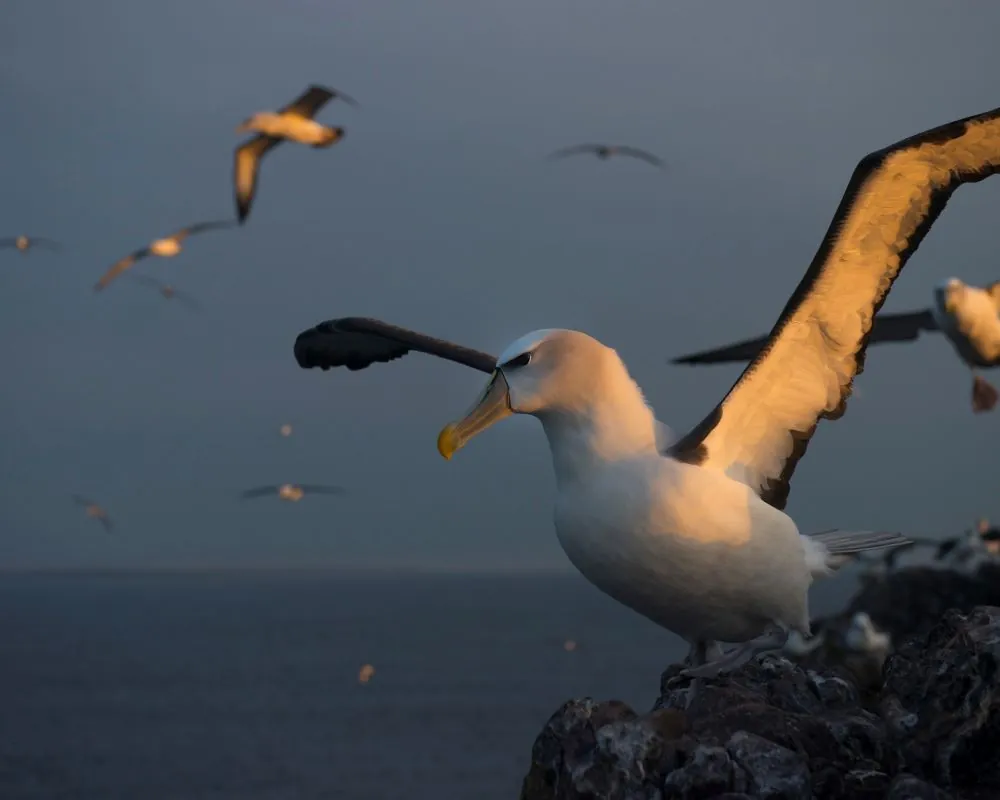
column 567, row 379
column 950, row 293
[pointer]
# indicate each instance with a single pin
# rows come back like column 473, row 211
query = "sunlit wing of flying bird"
column 293, row 123
column 292, row 492
column 94, row 511
column 166, row 247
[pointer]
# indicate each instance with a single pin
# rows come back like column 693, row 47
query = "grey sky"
column 438, row 212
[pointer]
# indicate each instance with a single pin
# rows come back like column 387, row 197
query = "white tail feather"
column 828, row 550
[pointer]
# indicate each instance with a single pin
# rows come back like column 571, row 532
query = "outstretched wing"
column 80, row 500
column 119, row 267
column 175, row 294
column 358, row 342
column 8, row 241
column 575, row 149
column 903, row 327
column 246, row 166
column 260, row 491
column 191, row 230
column 804, row 372
column 642, row 155
column 310, row 101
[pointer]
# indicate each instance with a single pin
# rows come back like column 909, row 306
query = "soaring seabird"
column 290, row 491
column 968, row 315
column 293, row 123
column 94, row 511
column 605, row 151
column 693, row 536
column 25, row 243
column 167, row 247
column 166, row 290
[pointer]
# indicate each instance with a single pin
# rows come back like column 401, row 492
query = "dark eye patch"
column 519, row 361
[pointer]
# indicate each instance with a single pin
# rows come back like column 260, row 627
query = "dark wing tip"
column 335, row 344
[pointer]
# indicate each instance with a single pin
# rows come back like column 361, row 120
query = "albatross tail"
column 829, row 550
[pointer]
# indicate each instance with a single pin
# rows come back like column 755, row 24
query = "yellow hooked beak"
column 492, row 406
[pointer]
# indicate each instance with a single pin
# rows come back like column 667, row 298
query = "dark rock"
column 907, row 787
column 926, row 728
column 950, row 683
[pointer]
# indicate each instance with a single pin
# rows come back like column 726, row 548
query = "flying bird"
column 94, row 511
column 605, row 151
column 167, row 247
column 968, row 316
column 166, row 290
column 290, row 491
column 25, row 243
column 285, row 430
column 293, row 123
column 693, row 536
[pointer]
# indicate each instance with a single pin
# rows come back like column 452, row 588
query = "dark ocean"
column 245, row 685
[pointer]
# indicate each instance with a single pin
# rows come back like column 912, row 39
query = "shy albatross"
column 94, row 511
column 605, row 151
column 290, row 492
column 167, row 247
column 693, row 536
column 968, row 316
column 26, row 243
column 293, row 123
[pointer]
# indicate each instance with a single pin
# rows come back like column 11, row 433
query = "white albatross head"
column 573, row 384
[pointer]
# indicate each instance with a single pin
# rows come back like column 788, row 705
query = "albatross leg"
column 701, row 653
column 984, row 395
column 773, row 640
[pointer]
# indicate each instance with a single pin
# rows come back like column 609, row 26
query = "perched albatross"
column 166, row 247
column 293, row 123
column 94, row 511
column 25, row 243
column 290, row 491
column 968, row 315
column 605, row 151
column 693, row 536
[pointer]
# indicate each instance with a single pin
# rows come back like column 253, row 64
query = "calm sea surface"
column 245, row 685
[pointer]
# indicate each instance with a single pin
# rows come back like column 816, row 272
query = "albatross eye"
column 519, row 361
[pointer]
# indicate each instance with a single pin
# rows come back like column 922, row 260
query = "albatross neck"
column 611, row 423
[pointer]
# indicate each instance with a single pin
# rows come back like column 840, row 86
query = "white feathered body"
column 290, row 126
column 972, row 325
column 689, row 548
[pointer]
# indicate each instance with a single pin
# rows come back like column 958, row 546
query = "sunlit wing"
column 804, row 372
column 642, row 155
column 358, row 342
column 993, row 290
column 119, row 267
column 246, row 166
column 260, row 491
column 310, row 101
column 903, row 327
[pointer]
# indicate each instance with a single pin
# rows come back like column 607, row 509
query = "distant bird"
column 94, row 511
column 694, row 536
column 166, row 290
column 605, row 151
column 286, row 429
column 366, row 673
column 25, row 243
column 968, row 316
column 293, row 123
column 290, row 491
column 569, row 645
column 165, row 248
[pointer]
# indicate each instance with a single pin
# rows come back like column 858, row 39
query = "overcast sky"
column 438, row 212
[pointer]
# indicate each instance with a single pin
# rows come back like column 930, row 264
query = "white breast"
column 688, row 548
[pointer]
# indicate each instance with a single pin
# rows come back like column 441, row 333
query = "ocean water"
column 245, row 684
